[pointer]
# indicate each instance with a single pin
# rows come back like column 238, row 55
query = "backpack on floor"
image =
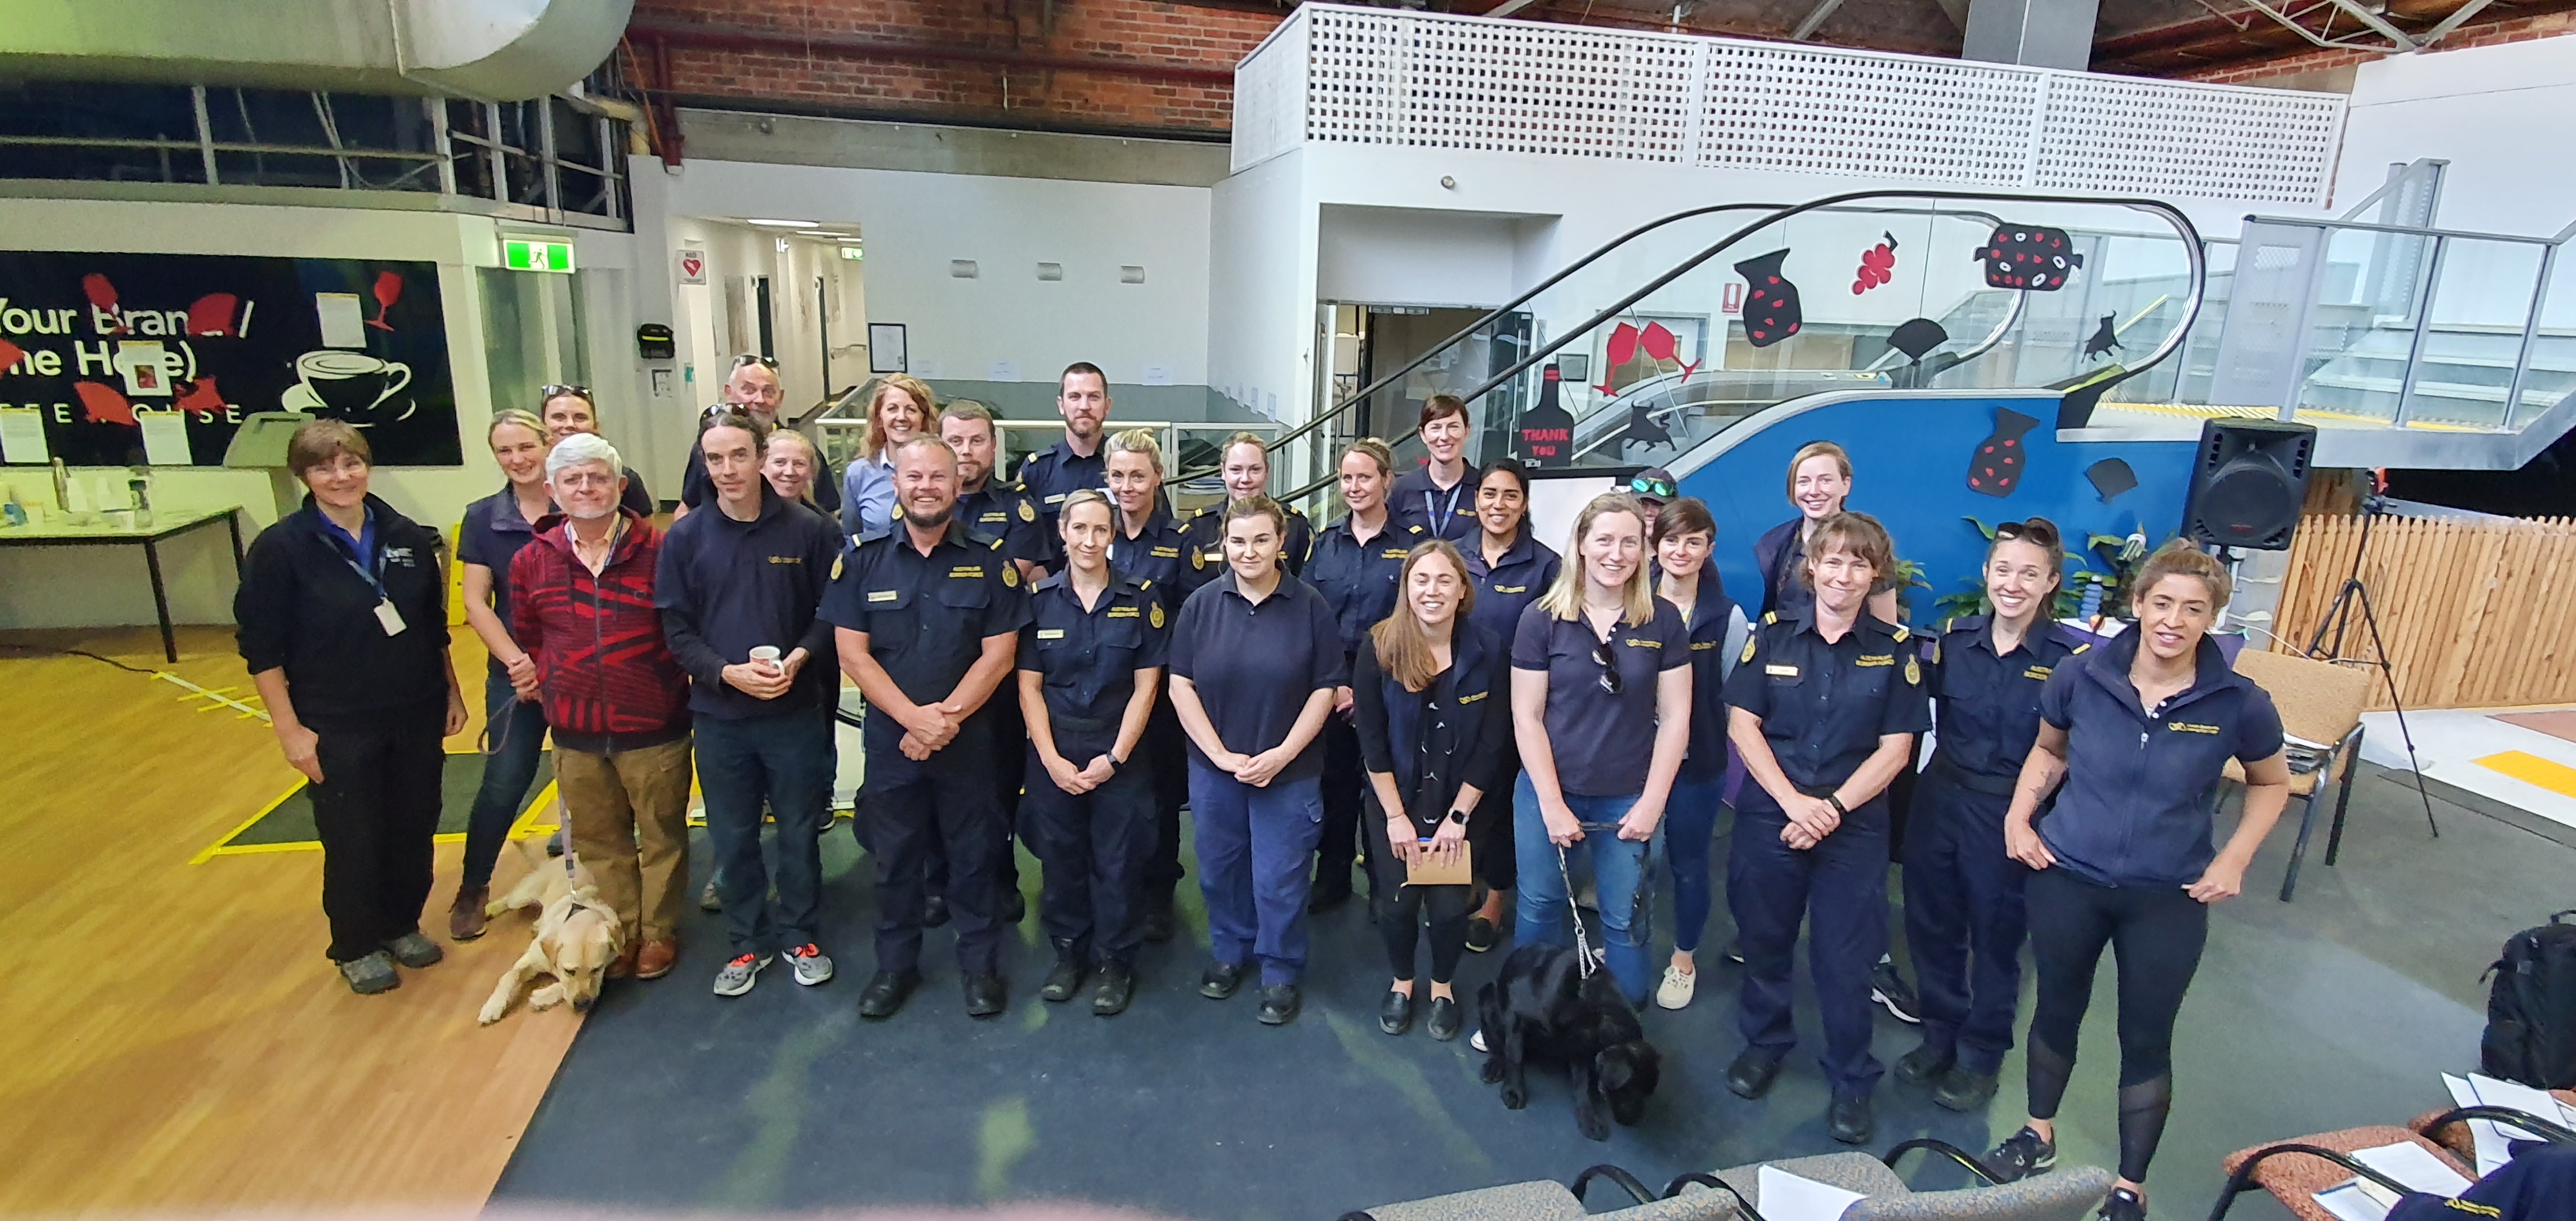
column 2531, row 1008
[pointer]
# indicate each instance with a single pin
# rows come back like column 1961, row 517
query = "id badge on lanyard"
column 387, row 616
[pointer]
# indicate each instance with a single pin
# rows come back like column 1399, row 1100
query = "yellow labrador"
column 577, row 936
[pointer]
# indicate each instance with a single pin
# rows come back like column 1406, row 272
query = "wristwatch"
column 1457, row 816
column 1837, row 804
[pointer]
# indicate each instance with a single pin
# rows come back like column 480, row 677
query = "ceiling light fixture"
column 785, row 224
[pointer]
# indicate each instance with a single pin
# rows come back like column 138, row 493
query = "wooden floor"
column 171, row 1035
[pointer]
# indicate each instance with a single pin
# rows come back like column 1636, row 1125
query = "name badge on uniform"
column 1057, row 499
column 966, row 570
column 884, row 595
column 388, row 618
column 1780, row 671
column 1050, row 633
column 1125, row 612
column 2188, row 727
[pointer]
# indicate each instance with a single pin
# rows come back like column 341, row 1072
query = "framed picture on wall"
column 886, row 348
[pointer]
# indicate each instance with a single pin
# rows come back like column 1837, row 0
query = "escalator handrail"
column 1337, row 410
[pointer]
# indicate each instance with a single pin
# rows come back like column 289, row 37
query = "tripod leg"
column 2370, row 619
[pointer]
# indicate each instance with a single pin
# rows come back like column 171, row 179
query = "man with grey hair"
column 582, row 607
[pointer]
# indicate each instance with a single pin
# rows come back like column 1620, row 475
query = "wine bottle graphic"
column 1771, row 311
column 1995, row 468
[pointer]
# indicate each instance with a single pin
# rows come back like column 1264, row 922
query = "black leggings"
column 1401, row 910
column 2158, row 934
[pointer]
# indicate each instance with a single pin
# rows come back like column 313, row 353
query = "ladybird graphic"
column 1994, row 469
column 1771, row 311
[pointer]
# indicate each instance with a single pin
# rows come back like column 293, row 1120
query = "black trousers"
column 1403, row 911
column 1094, row 848
column 2158, row 934
column 1497, row 856
column 1344, row 785
column 1166, row 757
column 1001, row 715
column 907, row 808
column 375, row 812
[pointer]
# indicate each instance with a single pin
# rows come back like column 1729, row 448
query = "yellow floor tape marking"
column 217, row 848
column 2532, row 769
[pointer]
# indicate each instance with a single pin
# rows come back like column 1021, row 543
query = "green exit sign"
column 531, row 254
column 851, row 252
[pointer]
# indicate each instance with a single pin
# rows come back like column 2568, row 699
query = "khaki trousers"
column 630, row 824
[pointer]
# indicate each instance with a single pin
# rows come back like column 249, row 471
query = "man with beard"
column 928, row 617
column 752, row 389
column 615, row 698
column 737, row 589
column 1074, row 463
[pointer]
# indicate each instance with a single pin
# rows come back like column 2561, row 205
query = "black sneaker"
column 1480, row 934
column 2123, row 1205
column 2022, row 1155
column 1889, row 988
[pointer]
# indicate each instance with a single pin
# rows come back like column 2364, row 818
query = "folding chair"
column 2319, row 702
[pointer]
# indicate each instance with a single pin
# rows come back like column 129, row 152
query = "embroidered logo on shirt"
column 1396, row 553
column 884, row 595
column 1123, row 612
column 1167, row 553
column 1469, row 699
column 996, row 516
column 1876, row 659
column 2036, row 672
column 2188, row 727
column 1703, row 645
column 966, row 570
column 398, row 555
column 1155, row 614
column 1050, row 633
column 787, row 559
column 1777, row 671
column 1511, row 589
column 1640, row 642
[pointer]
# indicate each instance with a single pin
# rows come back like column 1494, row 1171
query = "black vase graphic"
column 1770, row 300
column 1995, row 468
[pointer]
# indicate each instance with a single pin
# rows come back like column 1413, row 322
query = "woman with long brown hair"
column 1432, row 741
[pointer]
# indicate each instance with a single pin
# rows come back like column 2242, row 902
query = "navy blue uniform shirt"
column 1156, row 554
column 1712, row 617
column 1053, row 473
column 926, row 616
column 1255, row 666
column 2141, row 786
column 1088, row 659
column 1604, row 743
column 1358, row 579
column 1990, row 703
column 1206, row 533
column 1449, row 514
column 726, row 587
column 1001, row 511
column 1825, row 706
column 1504, row 590
column 492, row 535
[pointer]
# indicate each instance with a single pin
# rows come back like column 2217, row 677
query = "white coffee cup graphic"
column 351, row 383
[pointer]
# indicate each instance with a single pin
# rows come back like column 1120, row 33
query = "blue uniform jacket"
column 2141, row 786
column 1989, row 705
column 1506, row 589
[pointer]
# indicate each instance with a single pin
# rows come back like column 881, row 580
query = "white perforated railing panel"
column 2118, row 135
column 1427, row 80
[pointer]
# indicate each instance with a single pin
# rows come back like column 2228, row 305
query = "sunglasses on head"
column 548, row 393
column 747, row 359
column 1610, row 680
column 2036, row 532
column 1652, row 485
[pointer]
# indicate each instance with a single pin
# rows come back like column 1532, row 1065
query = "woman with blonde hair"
column 1243, row 463
column 1354, row 566
column 2139, row 733
column 514, row 723
column 1432, row 741
column 899, row 409
column 1146, row 546
column 1601, row 698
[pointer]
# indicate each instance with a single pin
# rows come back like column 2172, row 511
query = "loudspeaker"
column 2248, row 483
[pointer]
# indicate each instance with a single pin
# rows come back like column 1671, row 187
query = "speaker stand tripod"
column 2337, row 618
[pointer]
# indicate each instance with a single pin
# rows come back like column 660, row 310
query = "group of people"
column 1422, row 694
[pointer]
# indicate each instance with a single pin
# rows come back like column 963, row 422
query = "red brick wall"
column 2516, row 29
column 1137, row 45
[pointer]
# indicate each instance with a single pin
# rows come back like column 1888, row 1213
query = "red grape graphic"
column 1877, row 265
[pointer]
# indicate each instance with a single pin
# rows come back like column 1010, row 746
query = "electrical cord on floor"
column 31, row 648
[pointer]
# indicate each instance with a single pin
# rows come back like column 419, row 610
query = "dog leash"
column 1582, row 944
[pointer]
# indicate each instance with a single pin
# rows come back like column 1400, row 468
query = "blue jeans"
column 1690, row 826
column 785, row 760
column 1255, row 846
column 517, row 735
column 1619, row 870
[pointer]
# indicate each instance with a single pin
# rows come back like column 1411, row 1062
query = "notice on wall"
column 165, row 437
column 94, row 344
column 22, row 435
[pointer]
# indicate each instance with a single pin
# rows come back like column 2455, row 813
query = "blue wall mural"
column 1911, row 461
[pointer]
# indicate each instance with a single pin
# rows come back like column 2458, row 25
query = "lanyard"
column 375, row 580
column 1433, row 515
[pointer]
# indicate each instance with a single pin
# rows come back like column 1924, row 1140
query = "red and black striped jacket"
column 609, row 681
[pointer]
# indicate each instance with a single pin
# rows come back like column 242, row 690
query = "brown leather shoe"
column 465, row 915
column 656, row 958
column 623, row 966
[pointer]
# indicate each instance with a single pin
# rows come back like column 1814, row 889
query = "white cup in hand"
column 767, row 657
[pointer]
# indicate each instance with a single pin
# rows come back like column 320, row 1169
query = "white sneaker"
column 1477, row 1040
column 1678, row 987
column 810, row 964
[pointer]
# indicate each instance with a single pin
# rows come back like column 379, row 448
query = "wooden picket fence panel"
column 2475, row 613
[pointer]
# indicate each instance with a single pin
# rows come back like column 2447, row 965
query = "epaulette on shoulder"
column 1900, row 633
column 996, row 545
column 879, row 534
column 1770, row 617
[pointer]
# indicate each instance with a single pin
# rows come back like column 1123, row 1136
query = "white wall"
column 58, row 587
column 2486, row 110
column 915, row 223
column 1261, row 295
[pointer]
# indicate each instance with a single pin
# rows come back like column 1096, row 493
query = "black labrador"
column 1542, row 1007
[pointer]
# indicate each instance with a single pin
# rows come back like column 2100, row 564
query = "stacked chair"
column 2295, row 1170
